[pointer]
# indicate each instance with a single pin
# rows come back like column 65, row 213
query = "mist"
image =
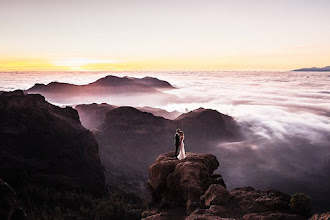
column 284, row 118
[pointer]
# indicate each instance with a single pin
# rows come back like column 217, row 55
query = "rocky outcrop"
column 9, row 206
column 173, row 182
column 191, row 183
column 45, row 145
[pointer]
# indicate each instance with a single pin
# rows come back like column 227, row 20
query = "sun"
column 74, row 63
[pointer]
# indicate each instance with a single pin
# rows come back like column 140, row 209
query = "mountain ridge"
column 316, row 69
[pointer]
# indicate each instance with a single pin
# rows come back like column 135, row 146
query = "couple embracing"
column 179, row 145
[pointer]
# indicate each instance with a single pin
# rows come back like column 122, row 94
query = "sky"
column 164, row 35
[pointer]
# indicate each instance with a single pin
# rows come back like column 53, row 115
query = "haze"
column 163, row 35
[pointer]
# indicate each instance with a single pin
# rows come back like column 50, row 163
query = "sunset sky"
column 164, row 35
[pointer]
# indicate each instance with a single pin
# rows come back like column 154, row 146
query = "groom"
column 177, row 142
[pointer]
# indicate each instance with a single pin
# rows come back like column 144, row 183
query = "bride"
column 182, row 153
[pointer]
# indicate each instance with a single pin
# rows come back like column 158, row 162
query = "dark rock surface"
column 187, row 183
column 46, row 145
column 321, row 216
column 216, row 195
column 10, row 208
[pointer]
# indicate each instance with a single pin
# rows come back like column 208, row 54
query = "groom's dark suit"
column 177, row 143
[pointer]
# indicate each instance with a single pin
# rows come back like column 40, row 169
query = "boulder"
column 216, row 195
column 273, row 216
column 322, row 216
column 254, row 201
column 217, row 179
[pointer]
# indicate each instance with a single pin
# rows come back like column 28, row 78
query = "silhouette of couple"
column 179, row 145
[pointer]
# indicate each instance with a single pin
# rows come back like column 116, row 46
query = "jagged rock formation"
column 45, row 145
column 9, row 205
column 109, row 89
column 191, row 183
column 130, row 139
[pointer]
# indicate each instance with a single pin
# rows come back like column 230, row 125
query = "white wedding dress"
column 182, row 152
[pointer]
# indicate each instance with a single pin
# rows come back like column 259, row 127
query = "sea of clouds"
column 284, row 116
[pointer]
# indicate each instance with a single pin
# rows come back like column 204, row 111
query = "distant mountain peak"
column 315, row 69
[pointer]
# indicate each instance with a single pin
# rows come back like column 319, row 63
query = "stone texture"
column 46, row 145
column 175, row 182
column 216, row 195
column 9, row 205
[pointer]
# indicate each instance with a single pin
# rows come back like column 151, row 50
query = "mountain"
column 110, row 89
column 44, row 145
column 317, row 69
column 153, row 82
column 93, row 115
column 189, row 189
column 160, row 112
column 130, row 139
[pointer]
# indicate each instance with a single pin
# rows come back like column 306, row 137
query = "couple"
column 179, row 145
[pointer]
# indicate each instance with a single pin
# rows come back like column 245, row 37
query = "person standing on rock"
column 182, row 152
column 177, row 142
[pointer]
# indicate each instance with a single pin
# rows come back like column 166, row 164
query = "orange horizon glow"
column 217, row 35
column 237, row 63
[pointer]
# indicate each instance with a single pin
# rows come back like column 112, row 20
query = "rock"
column 217, row 179
column 254, row 201
column 273, row 216
column 175, row 182
column 323, row 216
column 187, row 182
column 224, row 211
column 206, row 216
column 176, row 213
column 46, row 145
column 9, row 205
column 216, row 195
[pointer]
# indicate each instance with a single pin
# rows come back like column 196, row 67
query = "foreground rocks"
column 42, row 144
column 191, row 184
column 9, row 205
